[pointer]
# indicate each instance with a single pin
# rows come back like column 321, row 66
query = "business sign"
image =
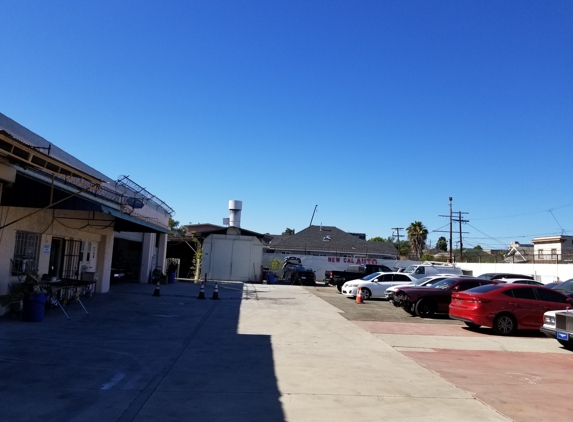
column 350, row 260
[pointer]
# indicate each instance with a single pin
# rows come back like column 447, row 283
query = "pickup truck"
column 353, row 272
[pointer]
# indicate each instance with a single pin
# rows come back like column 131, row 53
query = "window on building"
column 553, row 253
column 540, row 253
column 26, row 251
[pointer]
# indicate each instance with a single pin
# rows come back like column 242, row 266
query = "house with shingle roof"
column 330, row 240
column 327, row 248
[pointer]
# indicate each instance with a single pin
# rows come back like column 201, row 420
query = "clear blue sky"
column 376, row 111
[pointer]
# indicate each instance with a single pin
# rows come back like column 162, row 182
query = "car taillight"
column 474, row 300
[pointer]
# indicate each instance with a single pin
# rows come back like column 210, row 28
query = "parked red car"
column 426, row 301
column 506, row 307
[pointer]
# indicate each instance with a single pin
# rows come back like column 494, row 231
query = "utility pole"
column 398, row 236
column 460, row 220
column 451, row 230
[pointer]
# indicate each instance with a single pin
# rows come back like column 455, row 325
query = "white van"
column 427, row 268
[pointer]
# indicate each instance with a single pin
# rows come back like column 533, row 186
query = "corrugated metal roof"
column 29, row 138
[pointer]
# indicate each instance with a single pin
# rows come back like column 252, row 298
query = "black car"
column 566, row 288
column 496, row 276
column 299, row 275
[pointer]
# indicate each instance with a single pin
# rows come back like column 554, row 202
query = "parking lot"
column 264, row 352
column 524, row 377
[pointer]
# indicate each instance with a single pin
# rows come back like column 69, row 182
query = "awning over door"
column 127, row 223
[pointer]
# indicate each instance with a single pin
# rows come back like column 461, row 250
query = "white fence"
column 545, row 273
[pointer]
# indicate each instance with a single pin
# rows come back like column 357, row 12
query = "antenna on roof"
column 312, row 215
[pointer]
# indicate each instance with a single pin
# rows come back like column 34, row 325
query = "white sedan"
column 559, row 328
column 376, row 285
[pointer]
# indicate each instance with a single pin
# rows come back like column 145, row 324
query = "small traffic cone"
column 157, row 292
column 202, row 292
column 215, row 293
column 359, row 296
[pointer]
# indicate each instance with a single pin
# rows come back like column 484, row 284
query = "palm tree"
column 417, row 235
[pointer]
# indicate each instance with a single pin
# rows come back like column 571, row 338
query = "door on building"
column 56, row 257
column 65, row 258
column 71, row 259
column 88, row 257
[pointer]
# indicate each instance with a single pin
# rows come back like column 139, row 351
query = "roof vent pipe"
column 235, row 208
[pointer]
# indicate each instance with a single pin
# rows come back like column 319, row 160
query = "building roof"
column 330, row 239
column 27, row 137
column 40, row 163
column 551, row 239
column 202, row 231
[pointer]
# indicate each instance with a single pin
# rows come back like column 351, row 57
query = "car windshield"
column 371, row 276
column 433, row 281
column 566, row 286
column 421, row 281
column 444, row 284
column 486, row 276
column 410, row 269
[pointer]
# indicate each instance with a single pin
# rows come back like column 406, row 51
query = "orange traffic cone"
column 359, row 296
column 215, row 293
column 157, row 292
column 202, row 292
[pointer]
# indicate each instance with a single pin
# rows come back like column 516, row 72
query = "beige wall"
column 71, row 225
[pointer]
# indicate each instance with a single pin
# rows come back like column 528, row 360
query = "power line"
column 398, row 236
column 523, row 214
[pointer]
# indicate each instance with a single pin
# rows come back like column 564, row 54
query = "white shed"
column 232, row 257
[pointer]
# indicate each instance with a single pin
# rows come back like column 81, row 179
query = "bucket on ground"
column 33, row 309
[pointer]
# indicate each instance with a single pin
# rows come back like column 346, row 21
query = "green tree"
column 288, row 232
column 442, row 244
column 417, row 235
column 479, row 247
column 175, row 230
column 403, row 248
column 381, row 239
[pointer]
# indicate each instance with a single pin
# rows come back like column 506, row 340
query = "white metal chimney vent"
column 235, row 208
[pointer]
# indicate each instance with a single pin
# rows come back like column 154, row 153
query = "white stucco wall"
column 545, row 273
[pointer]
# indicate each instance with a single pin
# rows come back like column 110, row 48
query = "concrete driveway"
column 524, row 377
column 261, row 353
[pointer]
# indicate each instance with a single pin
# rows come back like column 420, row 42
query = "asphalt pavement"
column 259, row 353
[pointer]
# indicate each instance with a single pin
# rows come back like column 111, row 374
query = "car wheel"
column 471, row 325
column 366, row 293
column 425, row 308
column 504, row 325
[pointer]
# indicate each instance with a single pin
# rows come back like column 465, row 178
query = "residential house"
column 553, row 248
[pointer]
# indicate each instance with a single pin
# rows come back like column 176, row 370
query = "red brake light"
column 478, row 300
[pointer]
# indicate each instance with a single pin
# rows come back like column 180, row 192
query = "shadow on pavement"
column 137, row 357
